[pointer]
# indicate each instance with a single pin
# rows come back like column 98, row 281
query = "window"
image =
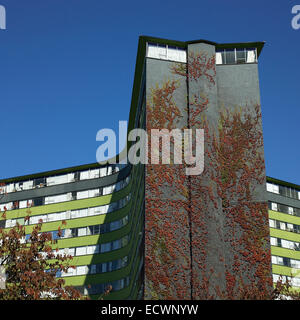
column 82, row 194
column 80, row 251
column 84, row 175
column 272, row 188
column 105, row 247
column 241, row 55
column 23, row 204
column 103, row 172
column 83, row 213
column 272, row 223
column 282, row 225
column 92, row 269
column 274, row 206
column 81, row 270
column 27, row 185
column 166, row 52
column 92, row 249
column 38, row 201
column 273, row 241
column 81, row 232
column 96, row 229
column 236, row 56
column 251, row 55
column 94, row 174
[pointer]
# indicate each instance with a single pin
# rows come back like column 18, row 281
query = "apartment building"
column 152, row 232
column 284, row 222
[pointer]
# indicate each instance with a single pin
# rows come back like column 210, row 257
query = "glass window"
column 92, row 269
column 275, row 188
column 109, row 170
column 105, row 247
column 282, row 225
column 251, row 55
column 103, row 172
column 91, row 212
column 81, row 270
column 162, row 51
column 23, row 204
column 152, row 50
column 280, row 260
column 74, row 214
column 81, row 232
column 68, row 215
column 96, row 229
column 230, row 56
column 273, row 241
column 272, row 223
column 84, row 175
column 83, row 213
column 82, row 194
column 94, row 174
column 80, row 251
column 94, row 193
column 220, row 59
column 172, row 53
column 241, row 55
column 116, row 244
column 91, row 250
column 269, row 187
column 27, row 185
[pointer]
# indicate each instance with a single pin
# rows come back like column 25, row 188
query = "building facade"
column 101, row 218
column 284, row 222
column 216, row 234
column 154, row 232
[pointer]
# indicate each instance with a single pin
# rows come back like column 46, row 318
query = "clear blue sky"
column 67, row 67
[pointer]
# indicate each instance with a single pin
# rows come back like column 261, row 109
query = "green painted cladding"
column 68, row 205
column 284, row 217
column 134, row 227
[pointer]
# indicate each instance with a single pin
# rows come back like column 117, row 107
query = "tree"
column 31, row 266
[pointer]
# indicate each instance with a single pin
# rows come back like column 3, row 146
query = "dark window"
column 99, row 268
column 279, row 242
column 74, row 232
column 77, row 176
column 39, row 181
column 270, row 205
column 240, row 56
column 286, row 262
column 96, row 229
column 230, row 56
column 277, row 224
column 38, row 201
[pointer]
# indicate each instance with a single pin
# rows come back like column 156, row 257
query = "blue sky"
column 67, row 67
